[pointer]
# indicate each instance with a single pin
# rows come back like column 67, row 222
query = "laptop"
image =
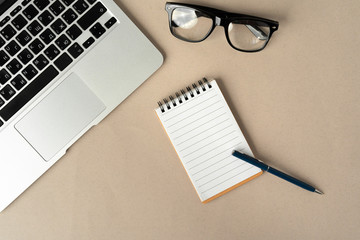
column 64, row 66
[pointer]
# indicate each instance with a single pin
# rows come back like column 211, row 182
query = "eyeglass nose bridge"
column 220, row 21
column 217, row 21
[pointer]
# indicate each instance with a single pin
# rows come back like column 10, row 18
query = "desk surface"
column 297, row 103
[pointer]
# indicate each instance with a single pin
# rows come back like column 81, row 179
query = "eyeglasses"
column 193, row 23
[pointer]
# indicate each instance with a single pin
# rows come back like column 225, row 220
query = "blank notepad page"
column 204, row 134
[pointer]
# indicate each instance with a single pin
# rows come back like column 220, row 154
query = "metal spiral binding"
column 192, row 91
column 161, row 107
column 206, row 82
column 196, row 88
column 184, row 94
column 172, row 100
column 167, row 103
column 178, row 97
column 202, row 85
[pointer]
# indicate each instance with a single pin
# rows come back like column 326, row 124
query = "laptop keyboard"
column 39, row 40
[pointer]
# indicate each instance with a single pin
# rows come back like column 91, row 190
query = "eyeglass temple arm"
column 257, row 32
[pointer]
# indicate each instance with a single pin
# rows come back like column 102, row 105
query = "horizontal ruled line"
column 213, row 148
column 197, row 112
column 212, row 165
column 200, row 125
column 218, row 177
column 195, row 119
column 217, row 170
column 187, row 101
column 226, row 180
column 193, row 174
column 210, row 157
column 203, row 138
column 202, row 131
column 206, row 145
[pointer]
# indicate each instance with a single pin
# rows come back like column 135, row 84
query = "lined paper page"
column 204, row 134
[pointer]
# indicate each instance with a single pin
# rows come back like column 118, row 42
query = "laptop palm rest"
column 60, row 116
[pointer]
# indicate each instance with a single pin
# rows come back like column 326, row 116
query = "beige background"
column 297, row 103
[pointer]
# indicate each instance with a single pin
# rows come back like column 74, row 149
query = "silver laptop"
column 64, row 66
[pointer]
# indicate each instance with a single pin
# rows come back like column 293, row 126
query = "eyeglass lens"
column 248, row 35
column 192, row 25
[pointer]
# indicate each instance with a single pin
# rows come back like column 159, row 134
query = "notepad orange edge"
column 220, row 193
column 233, row 187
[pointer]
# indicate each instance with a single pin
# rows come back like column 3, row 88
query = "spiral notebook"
column 204, row 134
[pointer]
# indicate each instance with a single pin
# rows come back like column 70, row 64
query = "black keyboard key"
column 23, row 38
column 4, row 21
column 97, row 30
column 18, row 82
column 2, row 102
column 2, row 42
column 88, row 42
column 58, row 26
column 36, row 46
column 34, row 28
column 28, row 93
column 25, row 56
column 69, row 16
column 92, row 15
column 57, row 7
column 30, row 12
column 8, row 32
column 3, row 57
column 7, row 92
column 68, row 2
column 4, row 76
column 25, row 2
column 75, row 50
column 47, row 36
column 73, row 32
column 46, row 17
column 41, row 4
column 14, row 66
column 29, row 72
column 41, row 62
column 110, row 22
column 63, row 61
column 80, row 6
column 51, row 52
column 62, row 42
column 15, row 11
column 19, row 22
column 12, row 48
column 91, row 1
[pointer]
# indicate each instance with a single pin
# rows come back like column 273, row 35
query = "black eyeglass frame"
column 220, row 18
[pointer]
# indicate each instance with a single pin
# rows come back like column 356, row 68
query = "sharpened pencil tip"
column 319, row 192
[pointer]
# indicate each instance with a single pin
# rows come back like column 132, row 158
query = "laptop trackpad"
column 60, row 117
